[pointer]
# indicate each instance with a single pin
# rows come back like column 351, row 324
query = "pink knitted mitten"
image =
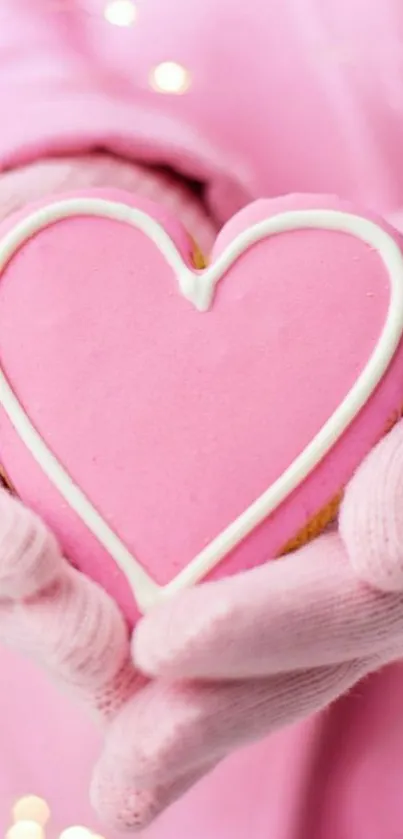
column 232, row 661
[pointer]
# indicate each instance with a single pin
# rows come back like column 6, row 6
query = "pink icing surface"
column 174, row 421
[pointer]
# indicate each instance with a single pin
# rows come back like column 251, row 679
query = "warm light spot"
column 120, row 12
column 31, row 808
column 170, row 77
column 25, row 830
column 76, row 832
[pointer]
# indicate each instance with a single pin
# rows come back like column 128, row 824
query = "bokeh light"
column 31, row 808
column 121, row 12
column 25, row 830
column 170, row 77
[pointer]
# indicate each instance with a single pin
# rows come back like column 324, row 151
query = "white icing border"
column 198, row 288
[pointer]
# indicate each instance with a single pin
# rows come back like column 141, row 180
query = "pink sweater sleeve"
column 71, row 82
column 280, row 96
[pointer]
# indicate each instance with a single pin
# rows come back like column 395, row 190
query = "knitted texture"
column 57, row 616
column 54, row 176
column 373, row 531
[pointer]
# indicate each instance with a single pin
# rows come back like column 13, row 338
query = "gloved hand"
column 234, row 660
column 230, row 661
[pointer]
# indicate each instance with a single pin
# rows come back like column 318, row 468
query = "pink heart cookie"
column 173, row 424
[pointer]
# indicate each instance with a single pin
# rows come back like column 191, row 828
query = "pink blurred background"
column 47, row 748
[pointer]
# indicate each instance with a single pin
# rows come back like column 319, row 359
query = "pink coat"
column 275, row 96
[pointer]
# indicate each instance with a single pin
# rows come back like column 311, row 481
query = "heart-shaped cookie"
column 172, row 424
